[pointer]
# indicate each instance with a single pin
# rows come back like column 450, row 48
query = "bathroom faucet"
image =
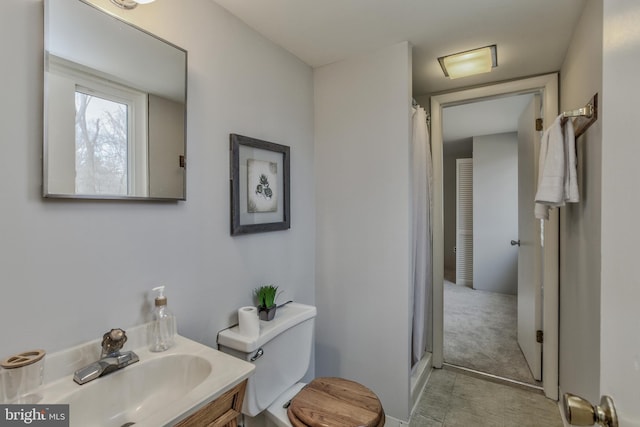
column 111, row 358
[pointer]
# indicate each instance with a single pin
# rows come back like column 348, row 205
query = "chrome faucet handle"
column 113, row 341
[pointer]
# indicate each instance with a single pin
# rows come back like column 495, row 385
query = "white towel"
column 571, row 193
column 557, row 175
column 551, row 169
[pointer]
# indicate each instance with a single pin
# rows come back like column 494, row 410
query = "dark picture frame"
column 260, row 185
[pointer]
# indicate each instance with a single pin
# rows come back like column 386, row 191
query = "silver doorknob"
column 580, row 412
column 515, row 242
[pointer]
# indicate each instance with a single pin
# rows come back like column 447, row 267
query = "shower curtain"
column 421, row 262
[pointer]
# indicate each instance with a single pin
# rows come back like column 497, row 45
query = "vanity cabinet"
column 222, row 412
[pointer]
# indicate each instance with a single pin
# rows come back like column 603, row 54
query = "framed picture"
column 260, row 188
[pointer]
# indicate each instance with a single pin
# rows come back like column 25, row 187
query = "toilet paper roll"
column 248, row 322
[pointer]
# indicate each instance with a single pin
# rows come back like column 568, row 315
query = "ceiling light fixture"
column 129, row 4
column 476, row 61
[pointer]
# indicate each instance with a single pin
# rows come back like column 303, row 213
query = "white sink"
column 160, row 389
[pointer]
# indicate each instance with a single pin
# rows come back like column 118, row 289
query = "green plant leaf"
column 266, row 295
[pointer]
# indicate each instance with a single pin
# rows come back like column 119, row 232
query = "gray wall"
column 599, row 257
column 580, row 224
column 452, row 150
column 362, row 130
column 495, row 212
column 74, row 269
column 166, row 124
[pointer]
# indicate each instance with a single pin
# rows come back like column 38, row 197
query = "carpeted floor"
column 480, row 332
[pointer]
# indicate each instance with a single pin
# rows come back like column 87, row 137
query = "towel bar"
column 584, row 117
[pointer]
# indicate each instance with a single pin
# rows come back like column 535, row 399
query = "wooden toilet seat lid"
column 335, row 402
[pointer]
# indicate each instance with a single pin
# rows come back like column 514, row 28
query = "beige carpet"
column 480, row 332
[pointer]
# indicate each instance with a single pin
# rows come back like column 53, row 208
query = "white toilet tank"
column 281, row 354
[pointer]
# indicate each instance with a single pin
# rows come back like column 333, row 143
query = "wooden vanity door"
column 222, row 412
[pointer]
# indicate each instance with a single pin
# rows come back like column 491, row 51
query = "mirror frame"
column 45, row 145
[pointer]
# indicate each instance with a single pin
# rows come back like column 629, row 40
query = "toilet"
column 282, row 353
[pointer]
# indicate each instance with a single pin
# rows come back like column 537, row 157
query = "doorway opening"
column 481, row 192
column 544, row 310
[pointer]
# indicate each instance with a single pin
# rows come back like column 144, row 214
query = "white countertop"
column 118, row 395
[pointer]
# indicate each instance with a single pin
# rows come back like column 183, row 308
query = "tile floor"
column 452, row 399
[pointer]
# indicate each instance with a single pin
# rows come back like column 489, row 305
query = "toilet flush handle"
column 258, row 355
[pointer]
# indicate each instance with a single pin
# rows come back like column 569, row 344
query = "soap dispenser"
column 163, row 327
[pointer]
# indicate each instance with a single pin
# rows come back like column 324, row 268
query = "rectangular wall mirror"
column 114, row 108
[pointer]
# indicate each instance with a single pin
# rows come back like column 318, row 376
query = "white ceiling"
column 532, row 36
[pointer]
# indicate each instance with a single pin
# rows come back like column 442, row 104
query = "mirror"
column 114, row 108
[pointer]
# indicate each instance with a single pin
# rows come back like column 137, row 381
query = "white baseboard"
column 394, row 422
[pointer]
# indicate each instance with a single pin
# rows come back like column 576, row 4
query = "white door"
column 464, row 222
column 495, row 212
column 529, row 251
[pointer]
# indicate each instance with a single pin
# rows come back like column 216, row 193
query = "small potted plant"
column 266, row 296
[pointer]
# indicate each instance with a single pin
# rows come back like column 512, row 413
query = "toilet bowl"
column 276, row 413
column 282, row 353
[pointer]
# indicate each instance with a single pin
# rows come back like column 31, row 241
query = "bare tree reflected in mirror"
column 101, row 146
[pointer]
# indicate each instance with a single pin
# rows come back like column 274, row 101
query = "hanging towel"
column 551, row 170
column 571, row 194
column 557, row 175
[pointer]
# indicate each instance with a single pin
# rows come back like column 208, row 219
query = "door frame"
column 547, row 86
